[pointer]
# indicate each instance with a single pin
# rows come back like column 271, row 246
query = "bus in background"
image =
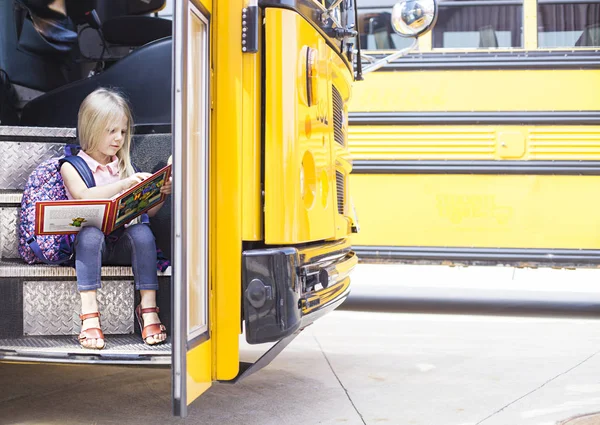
column 481, row 145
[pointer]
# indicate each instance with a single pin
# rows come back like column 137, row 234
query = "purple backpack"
column 46, row 184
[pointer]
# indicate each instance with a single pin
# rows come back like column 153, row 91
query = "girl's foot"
column 91, row 335
column 153, row 331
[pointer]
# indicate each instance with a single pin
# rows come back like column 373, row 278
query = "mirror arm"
column 389, row 58
column 368, row 58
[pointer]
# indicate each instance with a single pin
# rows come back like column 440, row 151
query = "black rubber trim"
column 152, row 129
column 562, row 168
column 310, row 12
column 478, row 255
column 434, row 61
column 467, row 117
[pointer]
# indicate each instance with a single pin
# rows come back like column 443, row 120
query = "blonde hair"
column 98, row 111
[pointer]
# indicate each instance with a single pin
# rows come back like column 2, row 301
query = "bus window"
column 475, row 24
column 376, row 33
column 568, row 25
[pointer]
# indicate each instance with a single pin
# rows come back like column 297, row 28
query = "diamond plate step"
column 21, row 158
column 52, row 308
column 36, row 134
column 18, row 269
column 9, row 240
column 119, row 349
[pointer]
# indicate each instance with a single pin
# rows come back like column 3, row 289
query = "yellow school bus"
column 481, row 145
column 250, row 99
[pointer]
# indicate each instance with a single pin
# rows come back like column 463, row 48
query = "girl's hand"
column 134, row 179
column 167, row 187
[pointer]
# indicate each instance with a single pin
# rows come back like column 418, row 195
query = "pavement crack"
column 538, row 388
column 339, row 381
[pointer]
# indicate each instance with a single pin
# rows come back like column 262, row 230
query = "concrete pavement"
column 358, row 368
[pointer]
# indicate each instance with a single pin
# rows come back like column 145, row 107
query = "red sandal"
column 91, row 333
column 150, row 330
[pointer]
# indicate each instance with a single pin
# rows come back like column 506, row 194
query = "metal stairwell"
column 39, row 304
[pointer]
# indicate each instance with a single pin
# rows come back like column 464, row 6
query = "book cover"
column 70, row 216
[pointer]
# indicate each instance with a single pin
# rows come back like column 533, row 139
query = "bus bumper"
column 286, row 289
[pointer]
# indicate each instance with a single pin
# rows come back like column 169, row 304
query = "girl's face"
column 113, row 137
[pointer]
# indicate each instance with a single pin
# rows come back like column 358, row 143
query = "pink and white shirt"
column 103, row 174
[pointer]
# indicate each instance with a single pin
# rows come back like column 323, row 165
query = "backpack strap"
column 32, row 242
column 82, row 168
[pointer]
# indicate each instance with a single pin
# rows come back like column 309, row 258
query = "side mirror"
column 413, row 18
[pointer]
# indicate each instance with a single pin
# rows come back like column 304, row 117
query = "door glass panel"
column 197, row 169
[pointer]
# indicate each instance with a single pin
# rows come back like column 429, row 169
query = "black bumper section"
column 272, row 290
column 286, row 289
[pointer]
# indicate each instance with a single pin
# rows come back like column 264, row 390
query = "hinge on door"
column 250, row 29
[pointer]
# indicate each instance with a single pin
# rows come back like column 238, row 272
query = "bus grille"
column 338, row 117
column 340, row 184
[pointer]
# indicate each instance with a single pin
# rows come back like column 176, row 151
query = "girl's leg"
column 89, row 246
column 139, row 240
column 149, row 300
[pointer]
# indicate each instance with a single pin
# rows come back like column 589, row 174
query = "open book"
column 69, row 216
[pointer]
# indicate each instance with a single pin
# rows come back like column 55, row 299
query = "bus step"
column 53, row 307
column 121, row 348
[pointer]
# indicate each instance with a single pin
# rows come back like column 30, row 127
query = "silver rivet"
column 243, row 49
column 243, row 41
column 244, row 29
column 244, row 35
column 244, row 23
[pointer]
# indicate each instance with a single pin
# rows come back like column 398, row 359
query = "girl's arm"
column 78, row 189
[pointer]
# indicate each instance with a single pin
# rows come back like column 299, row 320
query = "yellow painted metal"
column 300, row 196
column 199, row 370
column 226, row 185
column 500, row 90
column 426, row 42
column 483, row 142
column 530, row 29
column 499, row 211
column 206, row 4
column 251, row 145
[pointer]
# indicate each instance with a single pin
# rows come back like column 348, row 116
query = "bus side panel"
column 510, row 211
column 467, row 160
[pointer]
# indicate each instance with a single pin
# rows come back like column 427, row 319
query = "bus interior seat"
column 487, row 37
column 143, row 76
column 42, row 30
column 590, row 36
column 28, row 59
column 128, row 23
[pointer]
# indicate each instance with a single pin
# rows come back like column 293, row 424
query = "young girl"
column 104, row 126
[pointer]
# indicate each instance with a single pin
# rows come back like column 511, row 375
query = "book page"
column 141, row 197
column 69, row 218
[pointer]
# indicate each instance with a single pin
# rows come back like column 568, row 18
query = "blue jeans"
column 135, row 246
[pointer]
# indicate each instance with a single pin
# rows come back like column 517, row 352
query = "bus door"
column 192, row 344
